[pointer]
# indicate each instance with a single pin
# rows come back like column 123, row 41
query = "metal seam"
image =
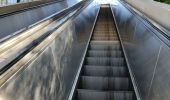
column 134, row 31
column 154, row 72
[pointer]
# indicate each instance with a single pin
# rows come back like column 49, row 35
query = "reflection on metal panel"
column 147, row 54
column 50, row 75
column 72, row 2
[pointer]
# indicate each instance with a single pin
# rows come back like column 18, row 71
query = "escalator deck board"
column 104, row 75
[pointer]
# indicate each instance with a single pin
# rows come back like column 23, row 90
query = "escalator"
column 104, row 75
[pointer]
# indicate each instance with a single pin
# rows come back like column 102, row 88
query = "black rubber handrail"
column 40, row 39
column 41, row 21
column 165, row 38
column 27, row 9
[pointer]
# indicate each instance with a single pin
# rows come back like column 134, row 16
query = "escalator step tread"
column 84, row 94
column 104, row 35
column 104, row 61
column 106, row 53
column 109, row 29
column 94, row 42
column 105, row 83
column 104, row 47
column 104, row 38
column 105, row 71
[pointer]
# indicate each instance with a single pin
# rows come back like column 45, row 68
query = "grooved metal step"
column 104, row 45
column 103, row 35
column 84, row 94
column 105, row 83
column 109, row 43
column 104, row 31
column 105, row 61
column 111, row 71
column 104, row 38
column 104, row 53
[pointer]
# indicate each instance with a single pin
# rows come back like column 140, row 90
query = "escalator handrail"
column 60, row 13
column 163, row 33
column 27, row 9
column 36, row 42
column 14, row 72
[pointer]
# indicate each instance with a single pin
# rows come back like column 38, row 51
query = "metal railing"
column 10, row 2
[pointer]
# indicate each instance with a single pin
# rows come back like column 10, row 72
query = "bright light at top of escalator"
column 1, row 98
column 114, row 2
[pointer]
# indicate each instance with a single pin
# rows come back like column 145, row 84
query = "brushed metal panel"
column 51, row 74
column 160, row 88
column 72, row 2
column 141, row 45
column 142, row 53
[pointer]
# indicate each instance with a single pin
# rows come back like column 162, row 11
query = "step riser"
column 104, row 47
column 108, row 34
column 89, row 95
column 96, row 53
column 105, row 61
column 106, row 43
column 104, row 38
column 105, row 83
column 105, row 71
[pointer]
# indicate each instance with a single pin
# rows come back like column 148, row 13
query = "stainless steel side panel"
column 50, row 76
column 147, row 53
column 10, row 24
column 72, row 2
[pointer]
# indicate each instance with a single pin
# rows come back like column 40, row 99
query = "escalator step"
column 99, row 35
column 105, row 83
column 98, row 29
column 104, row 45
column 105, row 61
column 105, row 71
column 104, row 31
column 104, row 38
column 102, row 23
column 84, row 94
column 108, row 43
column 100, row 53
column 104, row 35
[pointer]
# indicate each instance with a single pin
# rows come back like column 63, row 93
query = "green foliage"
column 165, row 1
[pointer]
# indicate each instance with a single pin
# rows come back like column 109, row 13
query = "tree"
column 165, row 1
